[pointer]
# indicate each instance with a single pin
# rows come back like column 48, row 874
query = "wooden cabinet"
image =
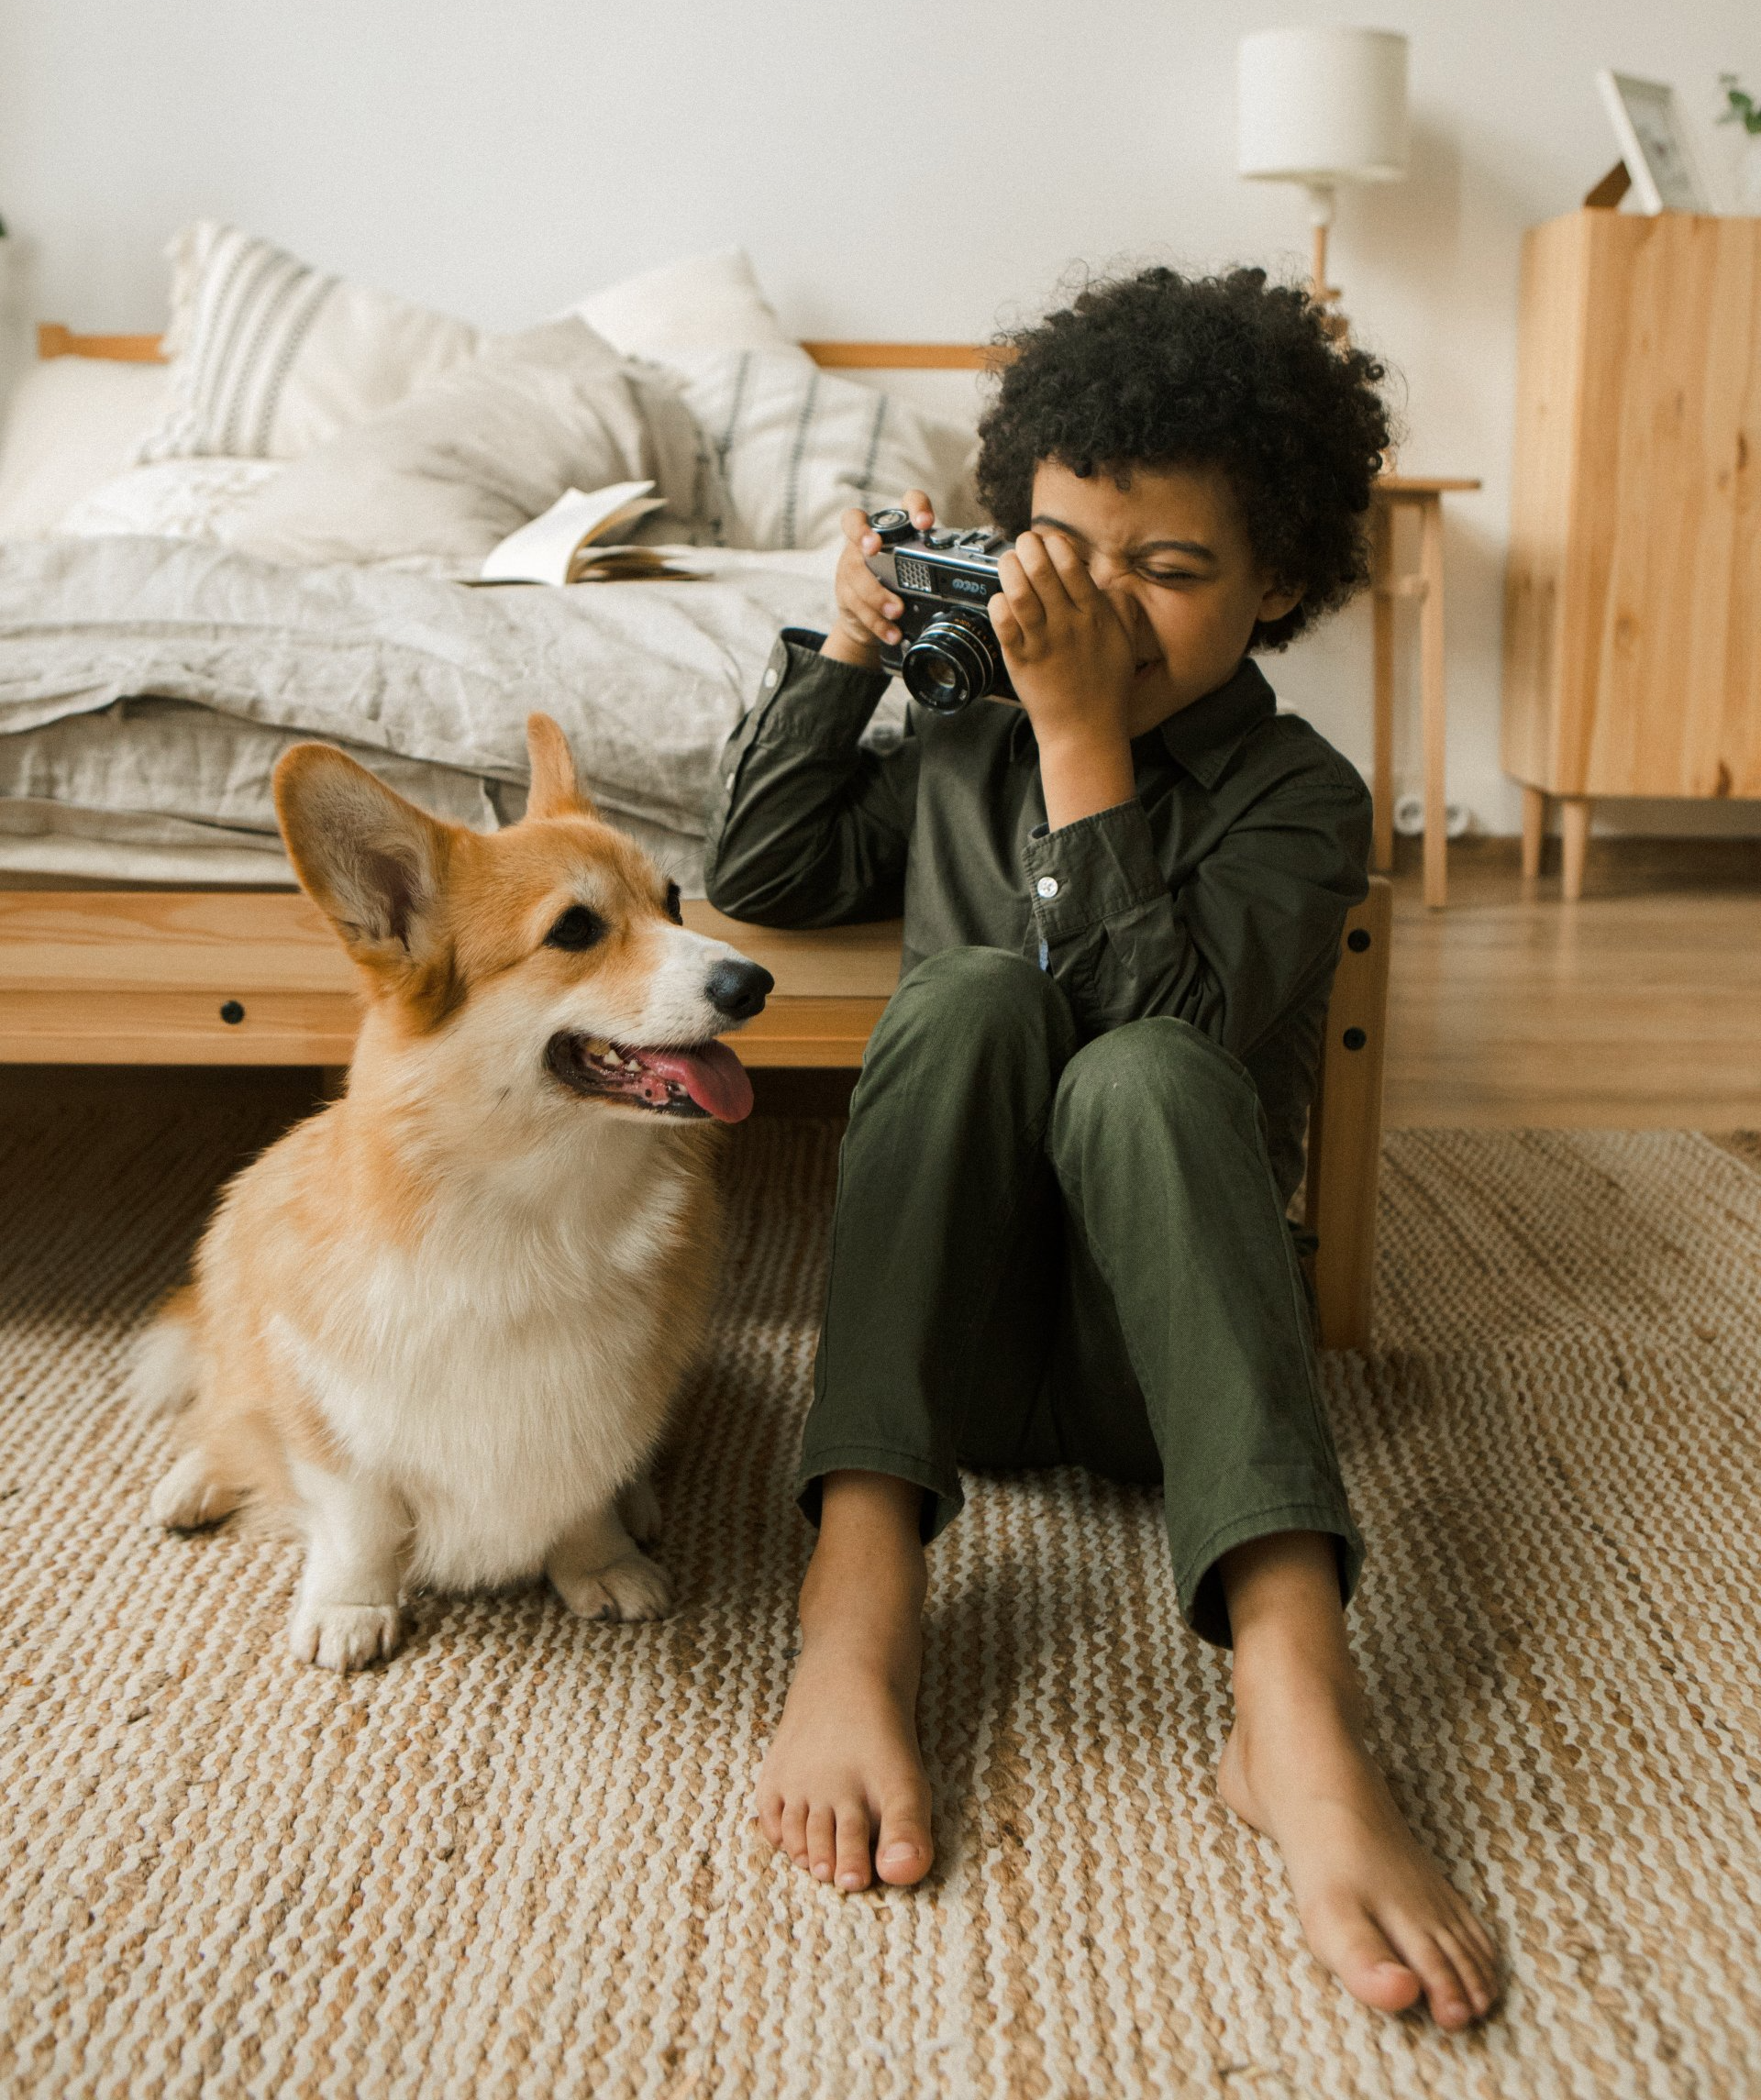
column 1633, row 596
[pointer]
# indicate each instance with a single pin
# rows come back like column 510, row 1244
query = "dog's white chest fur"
column 507, row 1372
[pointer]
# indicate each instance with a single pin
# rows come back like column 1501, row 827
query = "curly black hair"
column 1228, row 371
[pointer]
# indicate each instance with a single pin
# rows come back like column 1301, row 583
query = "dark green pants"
column 1047, row 1255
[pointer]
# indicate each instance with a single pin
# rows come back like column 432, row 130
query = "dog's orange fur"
column 461, row 1260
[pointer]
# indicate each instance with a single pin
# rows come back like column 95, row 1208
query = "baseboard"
column 1634, row 852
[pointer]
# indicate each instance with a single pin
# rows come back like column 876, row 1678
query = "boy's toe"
column 902, row 1853
column 768, row 1809
column 1389, row 1984
column 822, row 1843
column 1478, row 1942
column 1445, row 1992
column 1470, row 1969
column 794, row 1832
column 852, row 1872
column 1361, row 1956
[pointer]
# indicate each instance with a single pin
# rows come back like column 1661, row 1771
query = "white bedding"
column 148, row 684
column 173, row 499
column 430, row 682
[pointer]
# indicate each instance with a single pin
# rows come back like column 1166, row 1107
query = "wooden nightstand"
column 1425, row 495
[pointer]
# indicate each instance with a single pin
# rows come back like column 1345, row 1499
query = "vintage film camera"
column 949, row 653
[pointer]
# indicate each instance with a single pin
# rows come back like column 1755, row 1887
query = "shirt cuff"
column 1091, row 870
column 806, row 698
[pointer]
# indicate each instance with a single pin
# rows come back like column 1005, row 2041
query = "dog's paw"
column 631, row 1588
column 346, row 1636
column 189, row 1497
column 640, row 1508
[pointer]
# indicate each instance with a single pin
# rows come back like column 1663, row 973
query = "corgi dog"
column 440, row 1323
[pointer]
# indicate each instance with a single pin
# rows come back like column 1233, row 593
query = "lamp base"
column 1322, row 294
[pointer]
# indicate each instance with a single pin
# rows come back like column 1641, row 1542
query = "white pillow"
column 796, row 446
column 704, row 302
column 270, row 358
column 173, row 499
column 72, row 423
column 444, row 476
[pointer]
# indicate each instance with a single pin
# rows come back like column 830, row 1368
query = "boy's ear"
column 372, row 862
column 555, row 791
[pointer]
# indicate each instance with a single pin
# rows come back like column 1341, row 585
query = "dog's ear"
column 555, row 791
column 372, row 862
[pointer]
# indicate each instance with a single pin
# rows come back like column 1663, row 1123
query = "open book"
column 571, row 541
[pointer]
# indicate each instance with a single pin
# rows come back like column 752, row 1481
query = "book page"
column 544, row 551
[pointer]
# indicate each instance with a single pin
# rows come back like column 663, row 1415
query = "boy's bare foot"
column 843, row 1791
column 1374, row 1906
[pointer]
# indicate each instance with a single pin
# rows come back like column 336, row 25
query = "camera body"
column 948, row 654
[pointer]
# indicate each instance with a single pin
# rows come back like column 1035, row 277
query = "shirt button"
column 1046, row 886
column 770, row 677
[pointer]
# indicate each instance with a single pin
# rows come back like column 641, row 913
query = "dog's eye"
column 577, row 928
column 673, row 911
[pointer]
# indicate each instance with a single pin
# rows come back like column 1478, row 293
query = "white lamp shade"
column 1323, row 105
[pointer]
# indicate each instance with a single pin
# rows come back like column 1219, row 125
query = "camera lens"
column 954, row 659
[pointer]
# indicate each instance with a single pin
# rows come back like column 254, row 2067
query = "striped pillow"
column 443, row 477
column 796, row 446
column 269, row 358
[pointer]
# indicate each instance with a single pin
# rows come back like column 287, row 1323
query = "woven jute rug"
column 517, row 1860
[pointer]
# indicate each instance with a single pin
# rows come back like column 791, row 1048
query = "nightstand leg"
column 1574, row 813
column 1535, row 830
column 1436, row 875
column 1381, row 580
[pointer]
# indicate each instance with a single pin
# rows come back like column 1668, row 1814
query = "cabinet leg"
column 1381, row 576
column 1535, row 830
column 1431, row 662
column 1574, row 813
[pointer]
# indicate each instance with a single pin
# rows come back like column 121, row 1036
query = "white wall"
column 920, row 169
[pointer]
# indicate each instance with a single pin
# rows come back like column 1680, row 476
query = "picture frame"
column 1655, row 143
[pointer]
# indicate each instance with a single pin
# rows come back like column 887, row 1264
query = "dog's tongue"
column 713, row 1077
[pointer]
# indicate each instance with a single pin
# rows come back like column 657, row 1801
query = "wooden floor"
column 1638, row 1007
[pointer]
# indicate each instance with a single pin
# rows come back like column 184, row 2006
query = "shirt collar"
column 1204, row 736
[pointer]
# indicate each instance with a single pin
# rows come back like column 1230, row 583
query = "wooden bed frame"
column 146, row 976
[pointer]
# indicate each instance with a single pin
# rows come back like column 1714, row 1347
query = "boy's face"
column 1171, row 554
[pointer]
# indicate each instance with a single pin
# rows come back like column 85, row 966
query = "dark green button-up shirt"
column 1219, row 894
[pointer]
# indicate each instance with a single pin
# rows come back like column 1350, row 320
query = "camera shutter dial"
column 892, row 526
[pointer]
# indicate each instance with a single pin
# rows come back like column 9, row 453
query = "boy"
column 1060, row 1230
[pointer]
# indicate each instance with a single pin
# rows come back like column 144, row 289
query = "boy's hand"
column 866, row 608
column 1073, row 660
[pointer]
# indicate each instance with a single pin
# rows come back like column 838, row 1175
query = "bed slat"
column 902, row 357
column 54, row 339
column 216, row 977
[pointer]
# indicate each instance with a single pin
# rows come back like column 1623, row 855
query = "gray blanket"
column 429, row 683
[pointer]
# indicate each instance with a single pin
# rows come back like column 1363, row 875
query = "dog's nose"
column 739, row 989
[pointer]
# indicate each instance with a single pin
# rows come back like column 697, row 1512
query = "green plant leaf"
column 1741, row 107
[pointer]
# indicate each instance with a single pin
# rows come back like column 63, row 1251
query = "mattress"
column 149, row 685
